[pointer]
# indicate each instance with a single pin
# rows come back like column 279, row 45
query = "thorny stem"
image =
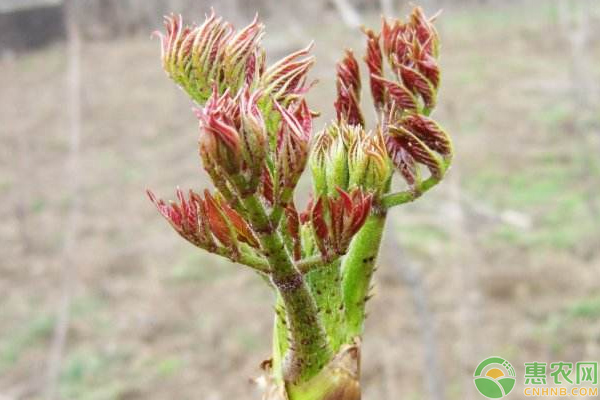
column 308, row 347
column 312, row 263
column 359, row 264
column 357, row 269
column 280, row 341
column 325, row 285
column 246, row 258
column 277, row 212
column 394, row 199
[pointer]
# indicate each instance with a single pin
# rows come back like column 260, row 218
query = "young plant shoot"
column 256, row 139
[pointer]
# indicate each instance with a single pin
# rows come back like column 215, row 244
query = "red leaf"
column 374, row 62
column 216, row 220
column 429, row 132
column 267, row 186
column 286, row 79
column 417, row 149
column 347, row 104
column 399, row 94
column 417, row 83
column 241, row 227
column 319, row 219
column 348, row 73
column 347, row 107
column 401, row 158
column 347, row 200
column 430, row 69
column 293, row 226
column 320, row 227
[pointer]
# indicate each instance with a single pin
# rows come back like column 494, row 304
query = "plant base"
column 339, row 380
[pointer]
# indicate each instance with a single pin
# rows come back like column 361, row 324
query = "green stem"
column 357, row 270
column 311, row 263
column 308, row 347
column 280, row 342
column 277, row 212
column 395, row 199
column 253, row 261
column 325, row 286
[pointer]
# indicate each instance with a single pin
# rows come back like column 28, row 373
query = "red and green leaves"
column 292, row 223
column 286, row 80
column 243, row 59
column 400, row 98
column 374, row 61
column 293, row 139
column 336, row 219
column 219, row 132
column 405, row 100
column 411, row 49
column 429, row 131
column 198, row 58
column 288, row 155
column 368, row 163
column 346, row 156
column 418, row 84
column 233, row 138
column 208, row 222
column 255, row 142
column 253, row 119
column 347, row 104
column 183, row 217
column 417, row 139
column 329, row 157
column 194, row 56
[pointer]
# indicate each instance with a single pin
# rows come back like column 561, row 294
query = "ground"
column 501, row 259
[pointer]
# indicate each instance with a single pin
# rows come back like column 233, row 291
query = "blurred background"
column 99, row 299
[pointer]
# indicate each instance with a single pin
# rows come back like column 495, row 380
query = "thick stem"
column 308, row 349
column 338, row 380
column 325, row 285
column 280, row 342
column 312, row 263
column 357, row 270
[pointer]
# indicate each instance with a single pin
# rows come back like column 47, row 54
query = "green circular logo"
column 494, row 377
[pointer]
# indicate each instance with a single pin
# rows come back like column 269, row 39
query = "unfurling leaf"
column 336, row 219
column 374, row 61
column 208, row 222
column 233, row 137
column 285, row 81
column 292, row 145
column 347, row 104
